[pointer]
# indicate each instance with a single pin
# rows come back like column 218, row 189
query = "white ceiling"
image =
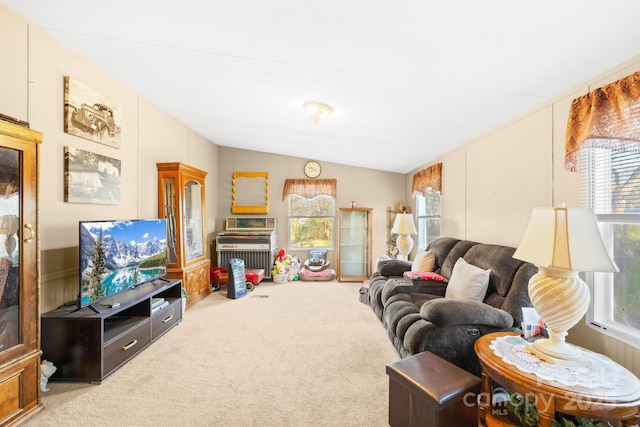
column 419, row 74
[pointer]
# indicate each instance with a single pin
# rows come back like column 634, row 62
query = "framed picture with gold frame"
column 250, row 193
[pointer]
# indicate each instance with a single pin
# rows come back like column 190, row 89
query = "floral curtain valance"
column 428, row 177
column 608, row 116
column 309, row 188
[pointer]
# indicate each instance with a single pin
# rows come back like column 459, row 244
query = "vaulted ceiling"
column 421, row 75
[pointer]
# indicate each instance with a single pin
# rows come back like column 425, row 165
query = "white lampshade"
column 561, row 242
column 564, row 239
column 404, row 224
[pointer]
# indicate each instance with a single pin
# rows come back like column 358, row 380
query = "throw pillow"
column 425, row 261
column 467, row 281
column 424, row 275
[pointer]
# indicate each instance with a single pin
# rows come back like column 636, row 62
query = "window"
column 426, row 189
column 610, row 180
column 311, row 222
column 428, row 216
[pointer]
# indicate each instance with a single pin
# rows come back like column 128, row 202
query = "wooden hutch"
column 181, row 200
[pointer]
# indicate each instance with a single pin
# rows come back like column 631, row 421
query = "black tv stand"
column 89, row 345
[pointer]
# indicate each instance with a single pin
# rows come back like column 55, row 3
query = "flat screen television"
column 119, row 255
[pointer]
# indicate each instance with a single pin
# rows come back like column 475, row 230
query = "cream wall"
column 32, row 89
column 453, row 207
column 13, row 46
column 490, row 184
column 365, row 187
column 506, row 175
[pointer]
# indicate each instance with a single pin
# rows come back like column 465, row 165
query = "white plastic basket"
column 280, row 278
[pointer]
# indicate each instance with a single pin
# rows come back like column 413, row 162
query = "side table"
column 619, row 403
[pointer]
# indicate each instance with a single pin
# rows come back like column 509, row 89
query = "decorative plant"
column 524, row 410
column 527, row 414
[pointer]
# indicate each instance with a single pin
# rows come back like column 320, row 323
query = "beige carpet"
column 294, row 354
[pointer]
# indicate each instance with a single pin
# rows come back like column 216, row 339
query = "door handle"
column 30, row 229
column 131, row 344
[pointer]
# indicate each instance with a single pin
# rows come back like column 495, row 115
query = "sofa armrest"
column 408, row 286
column 432, row 287
column 393, row 267
column 458, row 311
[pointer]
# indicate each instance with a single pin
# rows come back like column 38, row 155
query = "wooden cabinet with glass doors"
column 181, row 200
column 19, row 274
column 354, row 244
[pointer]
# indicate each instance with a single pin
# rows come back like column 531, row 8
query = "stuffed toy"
column 281, row 263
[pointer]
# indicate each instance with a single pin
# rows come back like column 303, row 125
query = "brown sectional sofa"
column 419, row 318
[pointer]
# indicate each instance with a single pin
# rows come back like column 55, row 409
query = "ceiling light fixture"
column 317, row 110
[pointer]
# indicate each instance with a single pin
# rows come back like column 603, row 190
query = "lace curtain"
column 309, row 188
column 607, row 117
column 428, row 177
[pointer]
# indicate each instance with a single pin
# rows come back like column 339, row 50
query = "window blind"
column 610, row 179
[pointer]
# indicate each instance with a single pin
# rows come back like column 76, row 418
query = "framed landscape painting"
column 90, row 177
column 90, row 114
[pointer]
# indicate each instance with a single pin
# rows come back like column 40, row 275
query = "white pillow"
column 467, row 281
column 424, row 261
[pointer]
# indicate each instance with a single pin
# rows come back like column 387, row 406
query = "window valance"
column 607, row 117
column 428, row 177
column 309, row 188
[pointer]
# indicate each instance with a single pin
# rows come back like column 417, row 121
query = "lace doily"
column 601, row 374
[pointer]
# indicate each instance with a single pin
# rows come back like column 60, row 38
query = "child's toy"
column 220, row 276
column 280, row 268
column 317, row 261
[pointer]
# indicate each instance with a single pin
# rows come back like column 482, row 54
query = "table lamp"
column 561, row 242
column 404, row 227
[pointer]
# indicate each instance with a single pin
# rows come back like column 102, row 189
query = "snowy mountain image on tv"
column 117, row 255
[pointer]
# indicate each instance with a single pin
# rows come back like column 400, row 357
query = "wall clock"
column 312, row 169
